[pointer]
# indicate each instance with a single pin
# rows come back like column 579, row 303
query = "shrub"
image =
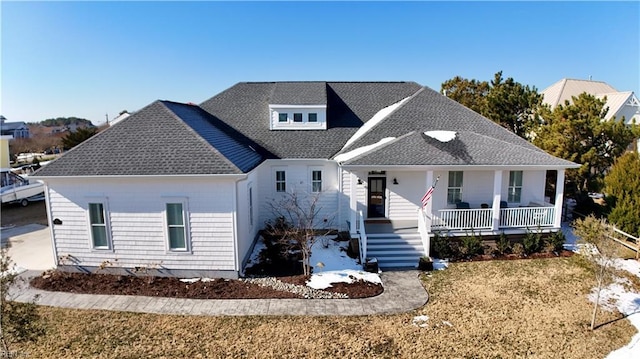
column 503, row 244
column 441, row 246
column 518, row 249
column 532, row 242
column 555, row 241
column 471, row 246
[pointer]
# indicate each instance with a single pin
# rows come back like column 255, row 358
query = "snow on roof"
column 377, row 118
column 362, row 150
column 442, row 136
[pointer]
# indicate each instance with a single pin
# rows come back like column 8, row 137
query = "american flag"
column 427, row 196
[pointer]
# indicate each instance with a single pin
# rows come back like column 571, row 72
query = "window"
column 297, row 117
column 176, row 227
column 281, row 181
column 454, row 192
column 313, row 117
column 515, row 186
column 98, row 226
column 282, row 117
column 316, row 181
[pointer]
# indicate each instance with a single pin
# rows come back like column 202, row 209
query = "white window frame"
column 185, row 224
column 107, row 223
column 312, row 181
column 277, row 181
column 455, row 189
column 514, row 194
column 286, row 115
column 315, row 114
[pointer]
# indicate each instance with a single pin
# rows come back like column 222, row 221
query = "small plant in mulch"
column 503, row 245
column 532, row 242
column 518, row 250
column 556, row 241
column 443, row 247
column 471, row 246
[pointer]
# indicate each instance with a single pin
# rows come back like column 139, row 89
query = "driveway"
column 29, row 246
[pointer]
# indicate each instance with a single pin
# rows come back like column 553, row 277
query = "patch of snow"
column 257, row 249
column 447, row 323
column 361, row 150
column 190, row 280
column 420, row 321
column 15, row 270
column 440, row 264
column 377, row 118
column 442, row 136
column 337, row 266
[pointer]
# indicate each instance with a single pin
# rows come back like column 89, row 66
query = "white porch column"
column 353, row 202
column 497, row 189
column 428, row 209
column 557, row 221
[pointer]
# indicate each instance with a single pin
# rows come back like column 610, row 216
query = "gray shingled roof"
column 163, row 138
column 484, row 141
column 229, row 133
column 245, row 107
column 468, row 148
column 299, row 93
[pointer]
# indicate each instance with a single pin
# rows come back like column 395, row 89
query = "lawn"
column 525, row 308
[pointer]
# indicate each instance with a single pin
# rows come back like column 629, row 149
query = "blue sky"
column 87, row 59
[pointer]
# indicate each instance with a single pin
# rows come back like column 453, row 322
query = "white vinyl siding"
column 454, row 190
column 98, row 224
column 137, row 225
column 176, row 228
column 515, row 187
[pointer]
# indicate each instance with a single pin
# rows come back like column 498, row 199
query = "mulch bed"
column 509, row 257
column 174, row 288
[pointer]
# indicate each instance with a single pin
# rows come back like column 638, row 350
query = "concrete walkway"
column 403, row 292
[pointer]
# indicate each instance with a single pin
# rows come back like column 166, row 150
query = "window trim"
column 459, row 189
column 513, row 186
column 250, row 199
column 277, row 181
column 107, row 223
column 185, row 221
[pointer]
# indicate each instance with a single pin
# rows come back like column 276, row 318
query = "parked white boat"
column 18, row 189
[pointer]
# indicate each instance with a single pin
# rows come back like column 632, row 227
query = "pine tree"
column 622, row 186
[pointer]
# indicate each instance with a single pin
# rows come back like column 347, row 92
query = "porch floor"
column 390, row 226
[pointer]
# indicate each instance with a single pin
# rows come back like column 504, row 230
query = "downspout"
column 47, row 202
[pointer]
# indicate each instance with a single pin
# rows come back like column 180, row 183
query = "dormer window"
column 298, row 117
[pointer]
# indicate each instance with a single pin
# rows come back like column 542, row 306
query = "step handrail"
column 362, row 238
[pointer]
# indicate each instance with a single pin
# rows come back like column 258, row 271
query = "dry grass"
column 531, row 308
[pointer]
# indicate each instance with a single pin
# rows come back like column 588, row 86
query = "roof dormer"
column 298, row 117
column 298, row 106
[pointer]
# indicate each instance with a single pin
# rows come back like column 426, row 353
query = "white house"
column 620, row 104
column 185, row 188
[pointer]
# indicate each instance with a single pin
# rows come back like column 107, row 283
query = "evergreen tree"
column 578, row 132
column 73, row 139
column 622, row 186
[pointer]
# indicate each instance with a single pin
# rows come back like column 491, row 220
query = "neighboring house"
column 15, row 129
column 621, row 104
column 120, row 117
column 186, row 187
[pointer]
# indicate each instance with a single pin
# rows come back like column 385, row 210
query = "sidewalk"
column 403, row 292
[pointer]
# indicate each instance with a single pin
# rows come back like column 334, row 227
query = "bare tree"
column 600, row 250
column 298, row 225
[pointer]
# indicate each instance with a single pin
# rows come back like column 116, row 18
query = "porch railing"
column 463, row 219
column 362, row 238
column 527, row 217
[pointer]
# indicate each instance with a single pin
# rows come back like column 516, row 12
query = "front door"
column 376, row 196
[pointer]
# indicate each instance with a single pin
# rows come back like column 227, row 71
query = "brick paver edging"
column 403, row 292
